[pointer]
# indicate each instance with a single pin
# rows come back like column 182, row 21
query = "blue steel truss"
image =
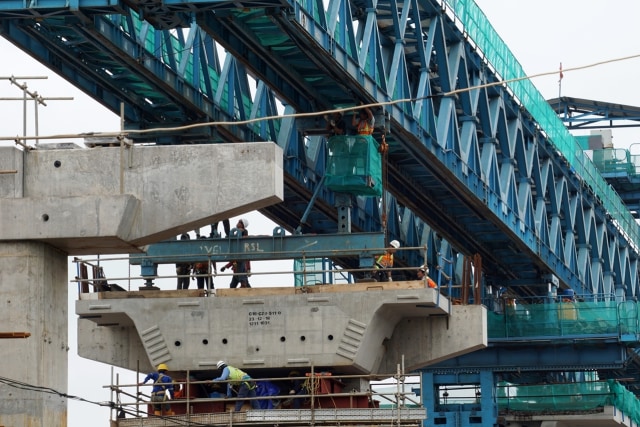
column 474, row 166
column 469, row 169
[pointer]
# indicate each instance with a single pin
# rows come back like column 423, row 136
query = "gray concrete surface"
column 355, row 328
column 107, row 200
column 56, row 203
column 33, row 285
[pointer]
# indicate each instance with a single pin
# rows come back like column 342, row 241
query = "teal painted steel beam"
column 262, row 248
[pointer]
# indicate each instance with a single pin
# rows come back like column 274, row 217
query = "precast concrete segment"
column 114, row 200
column 34, row 289
column 422, row 341
column 352, row 327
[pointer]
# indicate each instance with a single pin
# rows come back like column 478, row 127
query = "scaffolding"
column 326, row 400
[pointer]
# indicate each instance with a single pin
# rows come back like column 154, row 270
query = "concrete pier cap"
column 113, row 200
column 103, row 200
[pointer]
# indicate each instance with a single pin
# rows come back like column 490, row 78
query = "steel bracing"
column 472, row 168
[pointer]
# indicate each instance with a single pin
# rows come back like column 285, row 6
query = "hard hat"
column 424, row 269
column 162, row 367
column 394, row 243
column 220, row 364
column 245, row 222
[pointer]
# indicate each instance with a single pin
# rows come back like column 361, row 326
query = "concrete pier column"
column 34, row 288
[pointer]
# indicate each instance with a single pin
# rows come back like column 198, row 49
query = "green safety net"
column 617, row 161
column 567, row 398
column 512, row 318
column 561, row 319
column 354, row 165
column 554, row 397
column 496, row 52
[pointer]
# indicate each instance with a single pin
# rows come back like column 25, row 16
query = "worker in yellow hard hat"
column 162, row 384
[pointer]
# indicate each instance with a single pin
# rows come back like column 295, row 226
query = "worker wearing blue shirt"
column 162, row 383
column 240, row 381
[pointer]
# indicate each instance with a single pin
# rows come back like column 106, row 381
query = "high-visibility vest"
column 236, row 376
column 385, row 261
column 365, row 127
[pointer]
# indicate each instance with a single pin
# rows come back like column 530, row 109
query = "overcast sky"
column 540, row 33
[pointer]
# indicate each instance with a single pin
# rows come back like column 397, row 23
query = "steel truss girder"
column 476, row 153
column 468, row 172
column 579, row 113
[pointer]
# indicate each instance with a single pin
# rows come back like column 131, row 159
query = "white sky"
column 540, row 33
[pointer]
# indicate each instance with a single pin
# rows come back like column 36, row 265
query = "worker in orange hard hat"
column 162, row 384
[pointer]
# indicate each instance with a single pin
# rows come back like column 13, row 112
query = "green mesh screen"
column 554, row 397
column 477, row 26
column 567, row 397
column 354, row 165
column 563, row 319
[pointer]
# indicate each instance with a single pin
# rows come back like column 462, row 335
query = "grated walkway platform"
column 354, row 417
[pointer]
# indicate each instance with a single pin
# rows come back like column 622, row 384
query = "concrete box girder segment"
column 114, row 200
column 60, row 202
column 362, row 328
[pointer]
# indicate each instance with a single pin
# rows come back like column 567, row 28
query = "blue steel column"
column 463, row 399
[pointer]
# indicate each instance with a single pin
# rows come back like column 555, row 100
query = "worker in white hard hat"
column 162, row 384
column 384, row 263
column 238, row 381
column 241, row 269
column 423, row 274
column 423, row 270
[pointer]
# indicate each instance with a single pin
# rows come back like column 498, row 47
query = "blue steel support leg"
column 429, row 396
column 343, row 204
column 487, row 399
column 470, row 400
column 310, row 205
column 148, row 270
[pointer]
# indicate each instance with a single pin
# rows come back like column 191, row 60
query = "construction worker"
column 296, row 385
column 384, row 263
column 240, row 382
column 162, row 383
column 363, row 121
column 335, row 124
column 422, row 274
column 242, row 269
column 183, row 269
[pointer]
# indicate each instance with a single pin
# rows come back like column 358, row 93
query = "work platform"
column 321, row 399
column 293, row 417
